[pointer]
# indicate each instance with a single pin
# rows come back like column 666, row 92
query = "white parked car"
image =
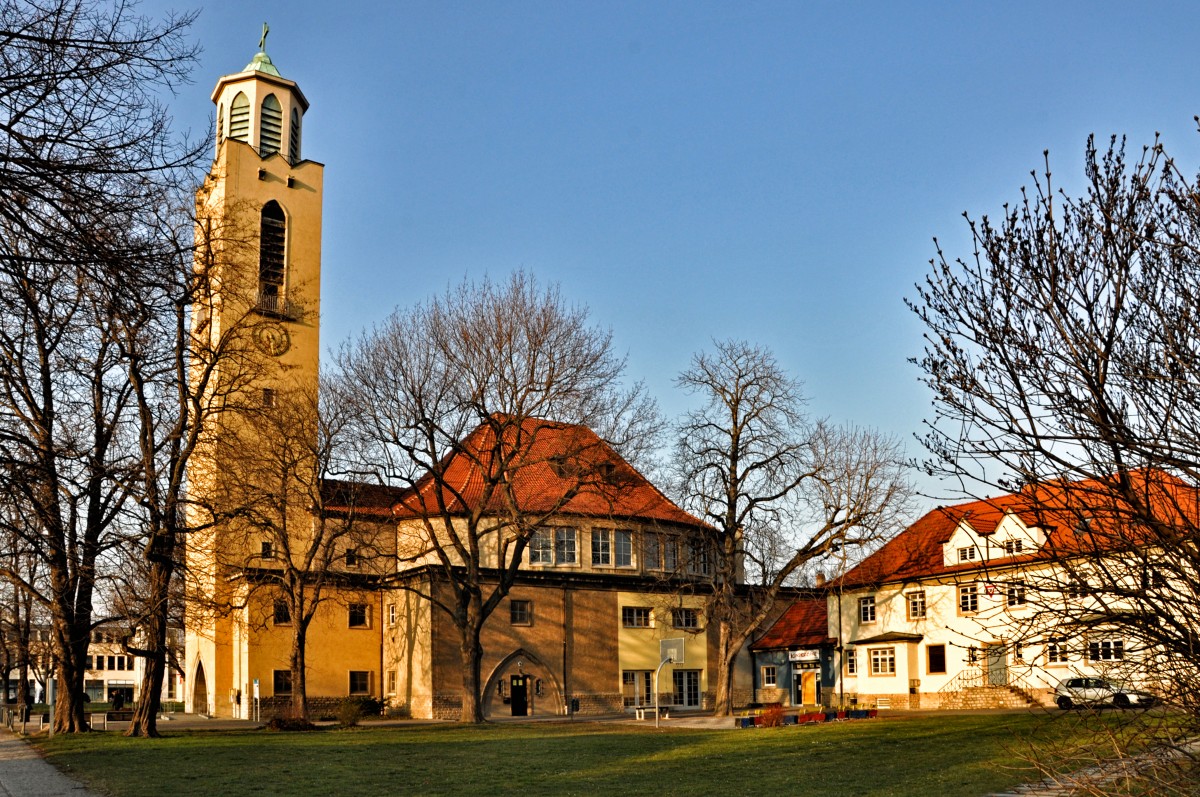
column 1099, row 692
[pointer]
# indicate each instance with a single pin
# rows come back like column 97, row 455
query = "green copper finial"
column 261, row 61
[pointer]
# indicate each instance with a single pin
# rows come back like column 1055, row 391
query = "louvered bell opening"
column 239, row 119
column 270, row 256
column 271, row 127
column 294, row 138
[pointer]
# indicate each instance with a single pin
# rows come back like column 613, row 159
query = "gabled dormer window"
column 966, row 554
column 272, row 245
column 239, row 118
column 1013, row 547
column 270, row 126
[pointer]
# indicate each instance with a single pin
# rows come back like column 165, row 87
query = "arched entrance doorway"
column 521, row 685
column 199, row 691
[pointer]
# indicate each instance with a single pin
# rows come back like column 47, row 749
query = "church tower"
column 258, row 253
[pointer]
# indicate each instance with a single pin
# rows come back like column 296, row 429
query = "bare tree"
column 1064, row 355
column 777, row 488
column 84, row 149
column 498, row 380
column 283, row 496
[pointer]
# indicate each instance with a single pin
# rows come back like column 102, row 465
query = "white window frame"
column 866, row 610
column 602, row 547
column 918, row 609
column 968, row 598
column 883, row 661
column 566, row 546
column 770, row 676
column 967, row 554
column 541, row 548
column 623, row 548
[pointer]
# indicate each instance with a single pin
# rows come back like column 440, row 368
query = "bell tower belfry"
column 256, row 329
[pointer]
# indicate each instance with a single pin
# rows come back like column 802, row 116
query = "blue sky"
column 773, row 171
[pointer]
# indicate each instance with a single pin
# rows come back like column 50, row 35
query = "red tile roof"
column 804, row 624
column 1059, row 508
column 558, row 468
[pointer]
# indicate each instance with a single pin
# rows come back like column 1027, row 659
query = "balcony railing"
column 276, row 305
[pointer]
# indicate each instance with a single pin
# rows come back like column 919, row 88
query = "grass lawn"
column 948, row 755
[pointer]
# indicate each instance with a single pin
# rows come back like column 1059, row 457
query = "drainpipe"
column 841, row 658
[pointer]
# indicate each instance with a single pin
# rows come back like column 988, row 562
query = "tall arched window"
column 294, row 137
column 239, row 118
column 270, row 126
column 272, row 243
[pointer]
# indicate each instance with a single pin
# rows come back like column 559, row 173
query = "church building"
column 603, row 593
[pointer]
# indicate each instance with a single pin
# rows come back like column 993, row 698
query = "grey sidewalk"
column 24, row 773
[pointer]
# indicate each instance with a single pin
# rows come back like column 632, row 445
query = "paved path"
column 24, row 773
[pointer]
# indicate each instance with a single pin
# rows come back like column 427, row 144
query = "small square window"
column 966, row 554
column 360, row 615
column 360, row 682
column 1012, row 547
column 520, row 612
column 635, row 616
column 883, row 661
column 1015, row 593
column 268, row 550
column 352, row 557
column 768, row 675
column 685, row 618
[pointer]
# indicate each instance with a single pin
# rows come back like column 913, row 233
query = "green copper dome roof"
column 262, row 63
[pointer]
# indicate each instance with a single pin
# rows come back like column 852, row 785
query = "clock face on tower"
column 272, row 339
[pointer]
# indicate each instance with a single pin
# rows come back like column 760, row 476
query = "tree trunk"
column 727, row 651
column 162, row 569
column 297, row 661
column 472, row 660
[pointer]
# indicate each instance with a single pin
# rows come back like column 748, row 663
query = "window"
column 935, row 658
column 270, row 126
column 883, row 661
column 1106, row 650
column 687, row 688
column 294, row 137
column 268, row 550
column 968, row 598
column 685, row 618
column 272, row 242
column 268, row 398
column 916, row 605
column 662, row 552
column 866, row 609
column 541, row 548
column 87, row 663
column 220, row 122
column 1013, row 547
column 391, row 682
column 1056, row 651
column 112, row 663
column 623, row 548
column 1077, row 590
column 391, row 614
column 520, row 612
column 612, row 547
column 281, row 682
column 282, row 614
column 1015, row 593
column 635, row 616
column 966, row 554
column 360, row 682
column 768, row 675
column 239, row 119
column 602, row 547
column 698, row 561
column 564, row 547
column 360, row 615
column 352, row 557
column 636, row 688
column 1018, row 652
column 972, row 655
column 851, row 661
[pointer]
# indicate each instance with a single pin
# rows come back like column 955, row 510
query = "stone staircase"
column 1009, row 696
